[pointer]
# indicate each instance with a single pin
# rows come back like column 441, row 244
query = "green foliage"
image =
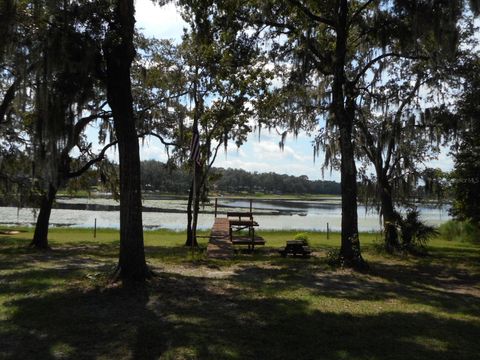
column 16, row 187
column 336, row 259
column 303, row 237
column 415, row 233
column 158, row 84
column 464, row 231
column 162, row 177
column 333, row 258
column 408, row 234
column 380, row 246
column 463, row 125
column 466, row 175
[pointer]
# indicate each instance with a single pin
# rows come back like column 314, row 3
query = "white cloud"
column 162, row 22
column 153, row 151
column 271, row 150
column 273, row 135
column 444, row 161
column 262, row 156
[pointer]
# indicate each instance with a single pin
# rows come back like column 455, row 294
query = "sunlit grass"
column 59, row 303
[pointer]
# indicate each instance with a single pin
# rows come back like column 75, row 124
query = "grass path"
column 59, row 305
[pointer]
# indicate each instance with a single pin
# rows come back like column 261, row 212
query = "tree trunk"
column 192, row 212
column 120, row 51
column 350, row 247
column 40, row 236
column 196, row 207
column 190, row 239
column 390, row 216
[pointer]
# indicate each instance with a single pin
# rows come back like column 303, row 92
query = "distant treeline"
column 157, row 176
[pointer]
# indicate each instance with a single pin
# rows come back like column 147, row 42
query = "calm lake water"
column 270, row 214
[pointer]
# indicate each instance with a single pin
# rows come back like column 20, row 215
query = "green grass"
column 59, row 304
column 460, row 230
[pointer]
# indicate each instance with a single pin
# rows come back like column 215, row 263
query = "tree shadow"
column 243, row 316
column 447, row 289
column 64, row 257
column 82, row 325
column 181, row 317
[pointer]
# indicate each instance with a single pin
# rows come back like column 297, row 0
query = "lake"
column 169, row 214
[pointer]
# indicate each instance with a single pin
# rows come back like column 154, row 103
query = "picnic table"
column 296, row 247
column 239, row 221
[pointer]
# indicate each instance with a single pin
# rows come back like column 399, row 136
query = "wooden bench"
column 296, row 247
column 240, row 215
column 248, row 240
column 243, row 221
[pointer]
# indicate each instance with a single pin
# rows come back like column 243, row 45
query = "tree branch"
column 209, row 165
column 310, row 14
column 83, row 122
column 19, row 180
column 215, row 154
column 8, row 98
column 10, row 93
column 87, row 166
column 266, row 22
column 398, row 114
column 359, row 11
column 145, row 109
column 369, row 147
column 79, row 127
column 159, row 137
column 383, row 56
column 394, row 165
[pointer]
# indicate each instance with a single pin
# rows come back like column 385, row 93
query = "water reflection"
column 270, row 214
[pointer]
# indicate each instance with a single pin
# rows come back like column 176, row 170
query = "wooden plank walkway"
column 219, row 246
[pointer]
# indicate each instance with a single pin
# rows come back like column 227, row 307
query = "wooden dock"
column 220, row 246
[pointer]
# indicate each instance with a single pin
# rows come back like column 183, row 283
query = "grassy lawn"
column 60, row 305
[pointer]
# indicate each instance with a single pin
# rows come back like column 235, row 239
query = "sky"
column 261, row 154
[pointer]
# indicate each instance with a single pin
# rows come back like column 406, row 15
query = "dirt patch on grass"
column 196, row 271
column 390, row 277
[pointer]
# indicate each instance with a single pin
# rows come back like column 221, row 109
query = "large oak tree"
column 119, row 53
column 334, row 47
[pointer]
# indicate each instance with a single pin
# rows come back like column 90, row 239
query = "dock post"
column 216, row 204
column 328, row 231
column 95, row 229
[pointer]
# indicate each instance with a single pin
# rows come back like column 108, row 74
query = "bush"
column 336, row 259
column 460, row 231
column 379, row 246
column 451, row 230
column 333, row 258
column 414, row 232
column 303, row 237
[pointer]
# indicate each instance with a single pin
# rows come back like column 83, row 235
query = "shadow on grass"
column 180, row 317
column 15, row 254
column 453, row 256
column 61, row 257
column 82, row 325
column 49, row 312
column 174, row 253
column 422, row 283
